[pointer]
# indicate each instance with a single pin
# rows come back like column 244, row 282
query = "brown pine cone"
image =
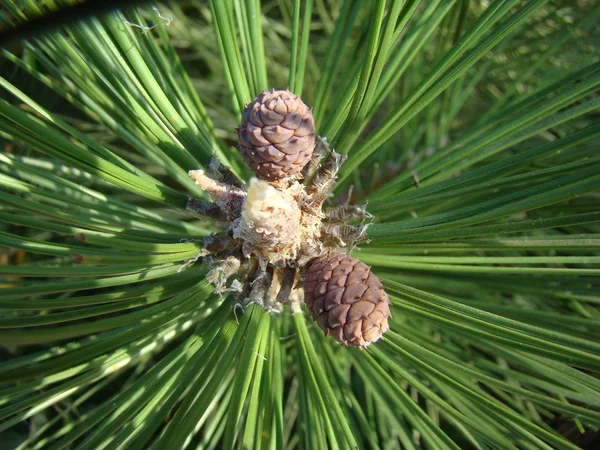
column 277, row 135
column 346, row 299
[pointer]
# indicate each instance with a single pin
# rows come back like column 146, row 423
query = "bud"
column 277, row 135
column 346, row 299
column 270, row 221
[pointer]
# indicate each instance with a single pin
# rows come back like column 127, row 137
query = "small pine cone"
column 277, row 135
column 346, row 299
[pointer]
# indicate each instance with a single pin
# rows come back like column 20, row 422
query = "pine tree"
column 470, row 186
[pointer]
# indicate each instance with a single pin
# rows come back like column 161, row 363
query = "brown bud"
column 277, row 135
column 346, row 299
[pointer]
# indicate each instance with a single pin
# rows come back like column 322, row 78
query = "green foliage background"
column 471, row 128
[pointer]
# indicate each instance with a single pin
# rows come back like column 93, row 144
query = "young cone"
column 346, row 299
column 277, row 135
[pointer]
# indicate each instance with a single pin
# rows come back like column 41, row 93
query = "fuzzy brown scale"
column 277, row 228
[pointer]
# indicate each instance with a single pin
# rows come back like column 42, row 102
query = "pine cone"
column 346, row 299
column 277, row 135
